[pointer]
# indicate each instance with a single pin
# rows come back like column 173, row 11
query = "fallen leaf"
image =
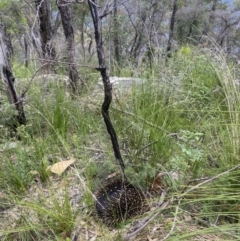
column 110, row 176
column 187, row 218
column 59, row 167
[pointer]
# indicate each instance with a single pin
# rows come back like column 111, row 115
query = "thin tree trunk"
column 69, row 35
column 106, row 81
column 171, row 30
column 25, row 44
column 115, row 34
column 8, row 78
column 46, row 33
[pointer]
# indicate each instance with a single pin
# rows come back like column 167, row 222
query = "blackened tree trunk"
column 171, row 29
column 106, row 81
column 8, row 78
column 46, row 32
column 66, row 17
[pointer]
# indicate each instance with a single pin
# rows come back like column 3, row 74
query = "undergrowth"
column 183, row 119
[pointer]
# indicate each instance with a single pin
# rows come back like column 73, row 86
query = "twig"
column 65, row 2
column 140, row 118
column 30, row 82
column 209, row 180
column 146, row 221
column 196, row 180
column 106, row 10
column 146, row 146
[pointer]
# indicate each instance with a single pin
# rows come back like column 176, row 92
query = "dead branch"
column 106, row 82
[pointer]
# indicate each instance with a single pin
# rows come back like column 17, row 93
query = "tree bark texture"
column 106, row 81
column 46, row 32
column 66, row 17
column 171, row 30
column 8, row 78
column 25, row 44
column 115, row 33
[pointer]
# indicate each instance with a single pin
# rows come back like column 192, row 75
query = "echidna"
column 117, row 201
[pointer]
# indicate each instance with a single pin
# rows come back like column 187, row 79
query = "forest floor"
column 36, row 204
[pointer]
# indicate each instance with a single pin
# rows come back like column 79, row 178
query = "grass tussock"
column 183, row 119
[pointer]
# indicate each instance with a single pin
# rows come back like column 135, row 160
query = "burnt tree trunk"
column 8, row 78
column 46, row 33
column 106, row 81
column 171, row 29
column 66, row 17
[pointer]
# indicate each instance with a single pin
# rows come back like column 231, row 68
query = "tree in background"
column 171, row 29
column 66, row 17
column 8, row 78
column 135, row 31
column 43, row 9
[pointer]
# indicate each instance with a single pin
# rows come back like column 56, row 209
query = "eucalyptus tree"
column 209, row 22
column 44, row 16
column 8, row 78
column 66, row 17
column 171, row 28
column 135, row 30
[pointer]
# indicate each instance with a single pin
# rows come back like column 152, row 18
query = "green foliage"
column 15, row 175
column 60, row 115
column 182, row 119
column 15, row 22
column 191, row 158
column 21, row 72
column 185, row 51
column 7, row 113
column 58, row 218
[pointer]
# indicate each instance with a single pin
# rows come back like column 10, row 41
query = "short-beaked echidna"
column 117, row 201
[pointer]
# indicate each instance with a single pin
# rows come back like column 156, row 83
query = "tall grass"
column 184, row 119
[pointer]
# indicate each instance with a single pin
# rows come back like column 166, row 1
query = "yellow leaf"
column 59, row 167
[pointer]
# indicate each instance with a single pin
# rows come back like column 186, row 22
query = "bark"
column 8, row 78
column 69, row 35
column 46, row 32
column 34, row 34
column 115, row 36
column 106, row 82
column 171, row 30
column 25, row 44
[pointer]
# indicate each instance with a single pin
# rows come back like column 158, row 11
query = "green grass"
column 184, row 119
